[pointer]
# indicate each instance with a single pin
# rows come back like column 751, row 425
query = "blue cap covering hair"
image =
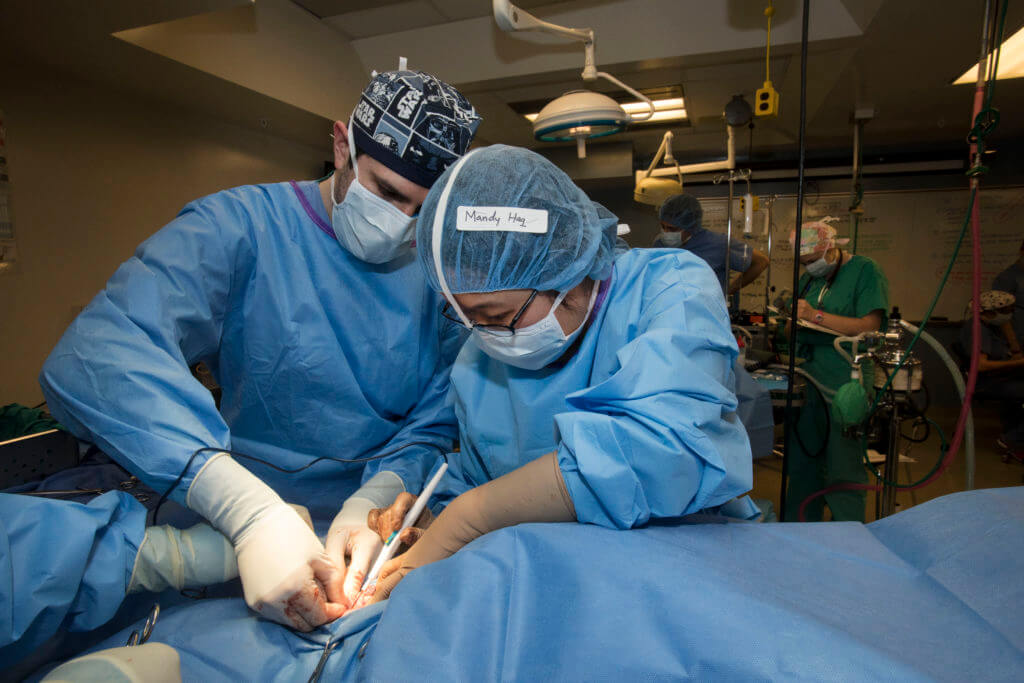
column 414, row 124
column 682, row 211
column 578, row 241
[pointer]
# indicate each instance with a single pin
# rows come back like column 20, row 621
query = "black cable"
column 218, row 449
column 828, row 428
column 796, row 253
column 918, row 419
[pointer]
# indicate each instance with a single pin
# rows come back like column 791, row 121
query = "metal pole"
column 892, row 459
column 796, row 255
column 768, row 275
column 855, row 202
column 728, row 239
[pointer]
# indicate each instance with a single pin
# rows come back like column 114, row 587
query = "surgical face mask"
column 671, row 239
column 535, row 346
column 369, row 227
column 1000, row 319
column 820, row 268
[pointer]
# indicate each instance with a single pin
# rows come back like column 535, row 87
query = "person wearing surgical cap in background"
column 681, row 219
column 595, row 386
column 306, row 302
column 1000, row 367
column 848, row 293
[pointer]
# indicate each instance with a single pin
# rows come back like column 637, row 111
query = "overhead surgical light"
column 667, row 109
column 579, row 114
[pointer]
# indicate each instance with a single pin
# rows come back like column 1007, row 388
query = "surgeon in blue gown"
column 306, row 302
column 681, row 218
column 596, row 387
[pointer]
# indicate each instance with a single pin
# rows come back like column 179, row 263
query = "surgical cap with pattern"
column 995, row 299
column 413, row 123
column 816, row 237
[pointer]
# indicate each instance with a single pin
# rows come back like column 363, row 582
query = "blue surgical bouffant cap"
column 413, row 123
column 513, row 220
column 682, row 211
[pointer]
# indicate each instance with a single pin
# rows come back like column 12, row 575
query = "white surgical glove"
column 286, row 574
column 350, row 535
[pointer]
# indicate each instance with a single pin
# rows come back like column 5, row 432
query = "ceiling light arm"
column 664, row 153
column 631, row 91
column 511, row 18
column 727, row 164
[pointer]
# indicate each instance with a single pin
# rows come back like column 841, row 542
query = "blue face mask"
column 535, row 346
column 671, row 239
column 369, row 227
column 820, row 268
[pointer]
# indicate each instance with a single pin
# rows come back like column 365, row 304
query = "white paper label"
column 502, row 218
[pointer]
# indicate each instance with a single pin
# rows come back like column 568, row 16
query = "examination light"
column 653, row 190
column 579, row 114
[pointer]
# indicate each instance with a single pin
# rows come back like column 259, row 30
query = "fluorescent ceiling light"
column 671, row 109
column 1011, row 61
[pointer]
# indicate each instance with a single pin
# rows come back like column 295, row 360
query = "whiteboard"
column 910, row 234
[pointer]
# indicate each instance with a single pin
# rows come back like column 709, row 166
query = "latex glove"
column 200, row 556
column 286, row 573
column 386, row 521
column 350, row 535
column 535, row 492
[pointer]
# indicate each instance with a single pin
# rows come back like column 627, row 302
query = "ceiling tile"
column 331, row 8
column 378, row 21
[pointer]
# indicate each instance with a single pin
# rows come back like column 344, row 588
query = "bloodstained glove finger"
column 389, row 519
column 410, row 536
column 331, row 578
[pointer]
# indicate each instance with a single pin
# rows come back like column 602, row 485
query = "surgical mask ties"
column 535, row 346
column 671, row 239
column 370, row 228
column 820, row 268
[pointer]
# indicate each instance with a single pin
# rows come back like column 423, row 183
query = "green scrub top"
column 859, row 288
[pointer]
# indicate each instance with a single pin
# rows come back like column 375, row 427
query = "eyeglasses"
column 497, row 330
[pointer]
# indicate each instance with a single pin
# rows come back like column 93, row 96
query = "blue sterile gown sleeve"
column 642, row 415
column 63, row 566
column 318, row 353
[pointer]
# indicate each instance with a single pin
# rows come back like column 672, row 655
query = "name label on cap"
column 502, row 218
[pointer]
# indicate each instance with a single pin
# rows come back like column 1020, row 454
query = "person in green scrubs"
column 847, row 293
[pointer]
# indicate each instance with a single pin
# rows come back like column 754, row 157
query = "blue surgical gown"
column 318, row 353
column 642, row 415
column 710, row 246
column 63, row 566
